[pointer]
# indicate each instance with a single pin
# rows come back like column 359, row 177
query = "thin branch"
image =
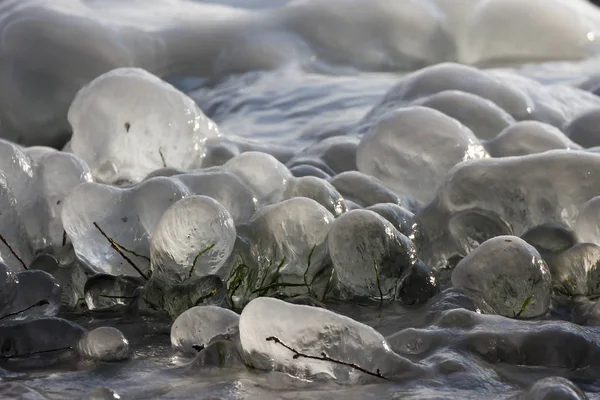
column 307, row 268
column 118, row 297
column 13, row 252
column 325, row 357
column 38, row 304
column 162, row 157
column 196, row 258
column 35, row 353
column 116, row 247
column 126, row 250
column 64, row 241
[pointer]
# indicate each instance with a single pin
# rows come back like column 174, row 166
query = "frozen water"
column 508, row 274
column 528, row 137
column 224, row 187
column 9, row 287
column 319, row 190
column 400, row 217
column 103, row 291
column 308, row 170
column 127, row 216
column 38, row 295
column 550, row 238
column 314, row 331
column 200, row 326
column 553, row 388
column 104, row 344
column 483, row 117
column 411, row 150
column 583, row 130
column 337, row 154
column 127, row 123
column 575, row 270
column 194, row 237
column 262, row 173
column 366, row 191
column 369, row 255
column 587, row 225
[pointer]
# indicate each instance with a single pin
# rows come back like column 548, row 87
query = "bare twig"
column 38, row 304
column 35, row 353
column 13, row 252
column 196, row 258
column 116, row 247
column 325, row 357
column 162, row 157
column 64, row 241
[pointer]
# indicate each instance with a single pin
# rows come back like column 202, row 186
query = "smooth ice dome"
column 369, row 255
column 320, row 191
column 199, row 326
column 411, row 150
column 509, row 275
column 104, row 344
column 127, row 123
column 313, row 331
column 194, row 237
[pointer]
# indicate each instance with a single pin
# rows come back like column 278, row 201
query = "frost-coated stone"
column 224, row 187
column 369, row 255
column 262, row 173
column 313, row 331
column 505, row 272
column 127, row 123
column 411, row 150
column 128, row 216
column 319, row 190
column 200, row 326
column 178, row 247
column 104, row 344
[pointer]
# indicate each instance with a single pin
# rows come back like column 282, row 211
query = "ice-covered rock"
column 410, row 150
column 35, row 152
column 104, row 344
column 286, row 245
column 366, row 191
column 400, row 217
column 550, row 238
column 15, row 249
column 319, row 190
column 370, row 256
column 9, row 287
column 315, row 332
column 587, row 225
column 308, row 170
column 224, row 187
column 127, row 123
column 38, row 295
column 575, row 271
column 262, row 173
column 528, row 137
column 337, row 153
column 483, row 117
column 480, row 199
column 194, row 237
column 508, row 274
column 104, row 291
column 127, row 216
column 200, row 326
column 553, row 388
column 56, row 174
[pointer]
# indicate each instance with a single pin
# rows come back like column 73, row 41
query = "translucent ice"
column 262, row 173
column 575, row 270
column 508, row 274
column 194, row 237
column 16, row 252
column 104, row 344
column 103, row 291
column 550, row 238
column 314, row 331
column 336, row 153
column 127, row 216
column 483, row 117
column 411, row 150
column 369, row 255
column 38, row 295
column 8, row 288
column 200, row 326
column 127, row 123
column 365, row 191
column 528, row 137
column 587, row 225
column 400, row 217
column 553, row 388
column 224, row 187
column 319, row 190
column 308, row 170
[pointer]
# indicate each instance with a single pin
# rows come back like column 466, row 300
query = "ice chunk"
column 550, row 238
column 286, row 246
column 528, row 137
column 15, row 249
column 35, row 152
column 483, row 117
column 366, row 191
column 104, row 344
column 194, row 237
column 38, row 295
column 224, row 187
column 508, row 274
column 319, row 190
column 587, row 225
column 103, row 291
column 200, row 326
column 337, row 153
column 400, row 217
column 316, row 332
column 56, row 174
column 262, row 173
column 553, row 388
column 514, row 194
column 575, row 270
column 370, row 257
column 127, row 216
column 8, row 289
column 127, row 123
column 411, row 150
column 308, row 170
